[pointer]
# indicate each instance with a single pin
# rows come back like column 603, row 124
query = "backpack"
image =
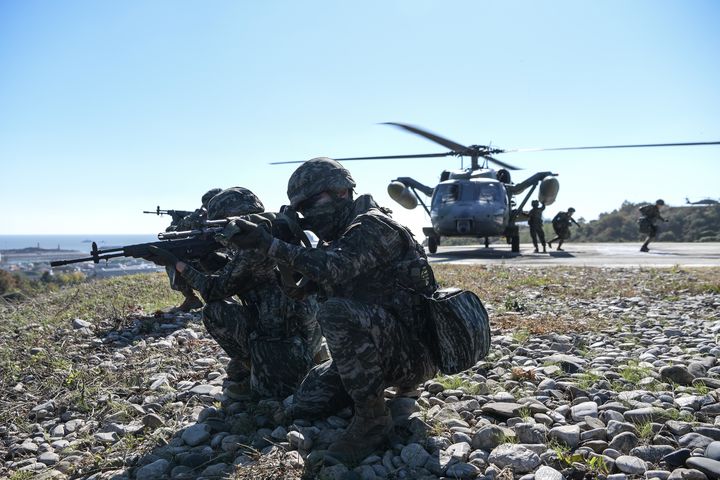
column 459, row 328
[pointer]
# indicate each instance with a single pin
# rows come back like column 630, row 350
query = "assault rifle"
column 187, row 248
column 176, row 215
column 286, row 226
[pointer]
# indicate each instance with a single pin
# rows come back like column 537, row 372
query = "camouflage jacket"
column 562, row 220
column 535, row 216
column 651, row 212
column 375, row 260
column 251, row 277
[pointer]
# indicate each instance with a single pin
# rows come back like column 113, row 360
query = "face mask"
column 329, row 219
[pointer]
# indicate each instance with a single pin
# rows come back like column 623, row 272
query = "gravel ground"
column 628, row 388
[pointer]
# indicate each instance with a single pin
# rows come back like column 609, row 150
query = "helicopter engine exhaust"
column 549, row 188
column 402, row 195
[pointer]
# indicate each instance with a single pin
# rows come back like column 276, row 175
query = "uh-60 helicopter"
column 478, row 201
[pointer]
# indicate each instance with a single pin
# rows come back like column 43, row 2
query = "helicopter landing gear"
column 515, row 244
column 433, row 243
column 487, row 242
column 513, row 238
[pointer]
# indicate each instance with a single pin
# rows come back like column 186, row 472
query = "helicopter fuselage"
column 470, row 207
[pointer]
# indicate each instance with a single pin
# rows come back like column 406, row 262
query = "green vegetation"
column 50, row 368
column 685, row 224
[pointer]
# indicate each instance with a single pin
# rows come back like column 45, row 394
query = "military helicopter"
column 703, row 202
column 478, row 201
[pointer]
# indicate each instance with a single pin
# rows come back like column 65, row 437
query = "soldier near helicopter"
column 561, row 225
column 189, row 222
column 369, row 273
column 650, row 215
column 535, row 222
column 270, row 338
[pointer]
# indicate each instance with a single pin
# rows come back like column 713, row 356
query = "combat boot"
column 367, row 432
column 191, row 303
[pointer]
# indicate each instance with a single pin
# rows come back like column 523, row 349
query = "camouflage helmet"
column 571, row 210
column 232, row 202
column 315, row 176
column 660, row 201
column 210, row 194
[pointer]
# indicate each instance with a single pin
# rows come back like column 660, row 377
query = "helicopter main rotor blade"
column 432, row 137
column 498, row 162
column 645, row 145
column 387, row 157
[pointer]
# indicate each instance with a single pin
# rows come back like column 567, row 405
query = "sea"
column 77, row 243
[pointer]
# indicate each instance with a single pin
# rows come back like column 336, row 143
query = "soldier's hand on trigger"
column 243, row 233
column 163, row 257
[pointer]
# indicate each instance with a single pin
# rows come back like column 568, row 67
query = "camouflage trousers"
column 277, row 363
column 371, row 350
column 537, row 233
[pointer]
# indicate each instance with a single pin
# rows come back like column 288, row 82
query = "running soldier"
column 561, row 225
column 650, row 215
column 369, row 273
column 189, row 222
column 270, row 338
column 535, row 222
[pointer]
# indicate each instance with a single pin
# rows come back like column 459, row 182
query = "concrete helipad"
column 586, row 254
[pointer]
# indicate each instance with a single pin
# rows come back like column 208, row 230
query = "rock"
column 516, row 457
column 708, row 466
column 645, row 414
column 502, row 409
column 414, row 455
column 196, row 434
column 694, row 440
column 712, row 451
column 677, row 458
column 652, row 453
column 631, row 465
column 531, row 433
column 152, row 421
column 548, row 473
column 462, row 470
column 676, row 374
column 153, row 471
column 48, row 458
column 687, row 474
column 567, row 434
column 78, row 324
column 624, row 442
column 488, row 437
column 580, row 411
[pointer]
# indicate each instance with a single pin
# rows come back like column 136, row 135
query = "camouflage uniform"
column 189, row 222
column 650, row 215
column 535, row 222
column 368, row 313
column 370, row 276
column 561, row 225
column 275, row 336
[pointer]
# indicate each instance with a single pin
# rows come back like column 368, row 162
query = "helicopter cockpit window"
column 445, row 194
column 483, row 192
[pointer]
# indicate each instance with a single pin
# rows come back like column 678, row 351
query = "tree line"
column 685, row 224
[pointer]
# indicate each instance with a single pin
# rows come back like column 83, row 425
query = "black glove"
column 162, row 257
column 242, row 234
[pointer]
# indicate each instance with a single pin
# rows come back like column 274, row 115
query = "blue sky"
column 111, row 108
